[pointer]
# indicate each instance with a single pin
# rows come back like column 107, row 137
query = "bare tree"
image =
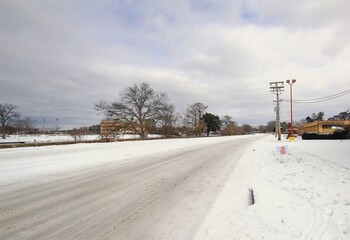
column 226, row 121
column 24, row 125
column 230, row 127
column 247, row 129
column 18, row 124
column 193, row 119
column 7, row 115
column 167, row 119
column 137, row 105
column 77, row 134
column 271, row 126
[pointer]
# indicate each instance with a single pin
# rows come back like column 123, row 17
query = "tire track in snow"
column 319, row 226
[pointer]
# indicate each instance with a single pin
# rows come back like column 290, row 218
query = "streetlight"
column 44, row 125
column 291, row 82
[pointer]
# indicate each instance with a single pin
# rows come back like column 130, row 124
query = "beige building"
column 110, row 129
column 324, row 126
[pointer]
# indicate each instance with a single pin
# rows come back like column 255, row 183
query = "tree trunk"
column 3, row 131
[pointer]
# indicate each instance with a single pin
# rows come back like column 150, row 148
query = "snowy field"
column 303, row 194
column 42, row 138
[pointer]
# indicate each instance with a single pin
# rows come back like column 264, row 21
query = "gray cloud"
column 57, row 58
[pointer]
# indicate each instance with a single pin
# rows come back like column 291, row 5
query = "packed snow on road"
column 260, row 189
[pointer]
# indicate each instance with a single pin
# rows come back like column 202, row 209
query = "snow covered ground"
column 64, row 138
column 46, row 138
column 301, row 195
column 304, row 194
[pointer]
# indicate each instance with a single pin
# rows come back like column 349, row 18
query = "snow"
column 41, row 138
column 303, row 194
column 46, row 138
column 27, row 166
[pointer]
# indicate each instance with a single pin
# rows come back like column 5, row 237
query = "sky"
column 58, row 58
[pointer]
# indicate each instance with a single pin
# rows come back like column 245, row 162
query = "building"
column 324, row 126
column 110, row 129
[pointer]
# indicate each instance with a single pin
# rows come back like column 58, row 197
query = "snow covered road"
column 132, row 190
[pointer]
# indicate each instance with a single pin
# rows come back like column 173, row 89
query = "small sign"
column 282, row 150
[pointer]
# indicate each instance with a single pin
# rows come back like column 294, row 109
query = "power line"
column 333, row 95
column 322, row 99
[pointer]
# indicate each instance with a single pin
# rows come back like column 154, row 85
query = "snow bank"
column 301, row 195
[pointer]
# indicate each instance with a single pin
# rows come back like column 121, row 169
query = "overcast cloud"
column 58, row 58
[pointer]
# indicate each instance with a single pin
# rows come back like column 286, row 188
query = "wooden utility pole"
column 277, row 88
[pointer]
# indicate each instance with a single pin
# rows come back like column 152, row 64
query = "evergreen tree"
column 212, row 122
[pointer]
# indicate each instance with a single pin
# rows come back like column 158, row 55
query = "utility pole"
column 277, row 88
